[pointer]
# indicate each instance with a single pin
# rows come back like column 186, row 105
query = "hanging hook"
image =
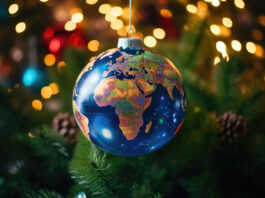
column 130, row 20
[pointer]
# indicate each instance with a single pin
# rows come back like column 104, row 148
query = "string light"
column 44, row 1
column 227, row 22
column 60, row 65
column 104, row 8
column 49, row 60
column 77, row 17
column 150, row 41
column 215, row 29
column 159, row 33
column 225, row 31
column 251, row 47
column 13, row 8
column 236, row 45
column 37, row 105
column 215, row 3
column 216, row 61
column 109, row 17
column 116, row 11
column 191, row 8
column 91, row 2
column 20, row 27
column 166, row 13
column 46, row 92
column 69, row 26
column 239, row 3
column 221, row 47
column 259, row 51
column 209, row 1
column 54, row 87
column 116, row 24
column 126, row 12
column 93, row 45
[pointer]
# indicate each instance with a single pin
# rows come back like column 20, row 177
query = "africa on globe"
column 129, row 101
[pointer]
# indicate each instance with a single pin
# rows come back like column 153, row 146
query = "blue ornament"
column 129, row 101
column 80, row 195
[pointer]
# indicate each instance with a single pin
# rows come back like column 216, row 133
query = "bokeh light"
column 191, row 8
column 116, row 24
column 44, row 1
column 20, row 27
column 216, row 61
column 259, row 51
column 227, row 22
column 251, row 47
column 104, row 8
column 166, row 13
column 215, row 3
column 37, row 105
column 77, row 17
column 109, row 17
column 257, row 34
column 159, row 33
column 116, row 11
column 91, row 2
column 150, row 41
column 30, row 76
column 215, row 29
column 239, row 3
column 54, row 87
column 69, row 26
column 46, row 92
column 55, row 45
column 13, row 8
column 236, row 45
column 49, row 60
column 93, row 45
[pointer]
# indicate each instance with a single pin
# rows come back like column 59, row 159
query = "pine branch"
column 42, row 194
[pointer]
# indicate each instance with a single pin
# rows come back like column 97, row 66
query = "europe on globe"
column 129, row 101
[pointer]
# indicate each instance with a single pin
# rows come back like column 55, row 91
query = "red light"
column 48, row 33
column 163, row 1
column 54, row 45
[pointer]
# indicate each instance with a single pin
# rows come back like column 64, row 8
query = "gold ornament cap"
column 131, row 43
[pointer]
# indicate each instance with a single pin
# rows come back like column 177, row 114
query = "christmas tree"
column 217, row 45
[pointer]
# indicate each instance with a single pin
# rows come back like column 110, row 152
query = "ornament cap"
column 132, row 43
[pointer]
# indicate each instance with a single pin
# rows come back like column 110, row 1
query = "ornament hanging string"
column 130, row 19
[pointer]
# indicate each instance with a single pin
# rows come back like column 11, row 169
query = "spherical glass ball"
column 129, row 101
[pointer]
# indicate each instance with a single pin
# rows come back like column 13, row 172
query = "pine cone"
column 65, row 125
column 232, row 127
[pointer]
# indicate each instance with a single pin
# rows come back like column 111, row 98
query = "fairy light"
column 104, row 8
column 77, row 17
column 215, row 3
column 259, row 51
column 20, row 27
column 91, row 2
column 13, row 8
column 46, row 92
column 60, row 65
column 239, row 3
column 93, row 45
column 43, row 1
column 236, row 45
column 159, row 33
column 150, row 41
column 215, row 29
column 110, row 18
column 69, row 26
column 251, row 47
column 216, row 61
column 191, row 8
column 208, row 1
column 166, row 13
column 37, row 105
column 221, row 47
column 126, row 13
column 49, row 60
column 54, row 87
column 227, row 22
column 116, row 24
column 116, row 11
column 225, row 31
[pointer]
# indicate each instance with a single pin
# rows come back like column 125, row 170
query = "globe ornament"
column 129, row 101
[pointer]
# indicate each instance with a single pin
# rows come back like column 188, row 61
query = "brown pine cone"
column 65, row 125
column 232, row 127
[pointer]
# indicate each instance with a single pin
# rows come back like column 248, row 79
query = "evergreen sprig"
column 42, row 194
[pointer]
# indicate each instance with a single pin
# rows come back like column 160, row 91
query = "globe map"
column 129, row 102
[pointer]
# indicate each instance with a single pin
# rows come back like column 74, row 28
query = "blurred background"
column 218, row 46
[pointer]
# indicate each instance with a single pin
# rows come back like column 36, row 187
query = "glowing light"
column 91, row 2
column 215, row 29
column 110, row 18
column 239, row 3
column 215, row 3
column 116, row 11
column 37, row 105
column 191, row 8
column 49, row 60
column 46, row 92
column 209, row 1
column 227, row 22
column 93, row 45
column 221, row 47
column 60, row 65
column 106, row 133
column 202, row 6
column 126, row 13
column 251, row 47
column 104, row 8
column 54, row 45
column 257, row 34
column 259, row 51
column 43, row 1
column 20, row 27
column 150, row 41
column 77, row 17
column 166, row 13
column 54, row 87
column 225, row 31
column 159, row 33
column 122, row 32
column 236, row 45
column 217, row 60
column 69, row 26
column 13, row 8
column 117, row 24
column 48, row 33
column 261, row 20
column 30, row 76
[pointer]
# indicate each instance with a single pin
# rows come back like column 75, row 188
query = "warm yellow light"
column 77, row 17
column 54, row 87
column 60, row 65
column 217, row 60
column 257, row 34
column 223, row 0
column 215, row 3
column 227, row 22
column 220, row 46
column 13, row 8
column 91, row 2
column 225, row 31
column 215, row 29
column 122, row 32
column 93, row 45
column 191, row 8
column 116, row 24
column 104, row 8
column 37, row 105
column 150, row 41
column 259, row 51
column 110, row 18
column 43, row 1
column 46, row 92
column 202, row 6
column 20, row 27
column 69, row 26
column 126, row 13
column 209, row 1
column 49, row 60
column 261, row 20
column 159, row 33
column 236, row 45
column 116, row 11
column 166, row 13
column 239, row 3
column 251, row 47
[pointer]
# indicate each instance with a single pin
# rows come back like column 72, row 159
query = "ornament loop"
column 130, row 30
column 130, row 20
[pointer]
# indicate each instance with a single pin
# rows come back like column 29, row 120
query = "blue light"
column 30, row 77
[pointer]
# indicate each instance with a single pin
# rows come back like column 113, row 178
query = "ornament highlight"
column 129, row 101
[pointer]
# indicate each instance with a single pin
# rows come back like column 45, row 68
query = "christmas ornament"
column 80, row 195
column 65, row 125
column 232, row 127
column 129, row 101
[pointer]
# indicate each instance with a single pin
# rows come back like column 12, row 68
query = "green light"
column 161, row 120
